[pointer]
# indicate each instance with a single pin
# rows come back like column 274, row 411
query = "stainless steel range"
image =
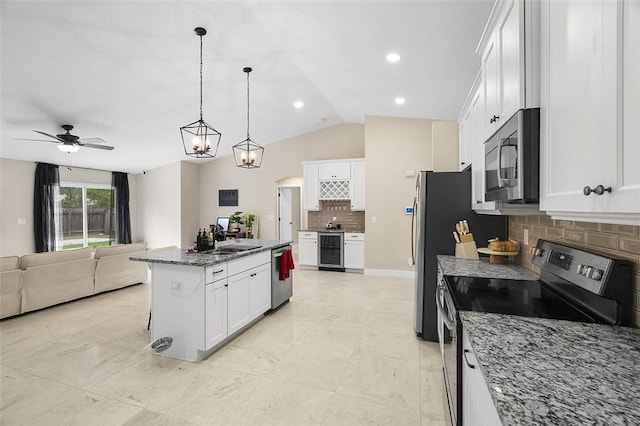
column 574, row 285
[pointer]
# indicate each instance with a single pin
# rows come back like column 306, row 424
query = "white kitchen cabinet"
column 311, row 186
column 238, row 312
column 473, row 121
column 356, row 188
column 354, row 250
column 477, row 405
column 590, row 109
column 334, row 171
column 259, row 290
column 249, row 290
column 308, row 248
column 215, row 313
column 509, row 52
column 466, row 137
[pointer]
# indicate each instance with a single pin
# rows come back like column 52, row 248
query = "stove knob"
column 597, row 274
column 587, row 271
column 580, row 269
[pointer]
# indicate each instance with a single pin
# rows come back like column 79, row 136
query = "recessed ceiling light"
column 298, row 104
column 399, row 101
column 393, row 58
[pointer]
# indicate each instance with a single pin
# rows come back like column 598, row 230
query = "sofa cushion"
column 48, row 258
column 10, row 292
column 48, row 285
column 9, row 263
column 119, row 249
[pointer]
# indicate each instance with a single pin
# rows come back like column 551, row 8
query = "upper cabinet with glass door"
column 590, row 122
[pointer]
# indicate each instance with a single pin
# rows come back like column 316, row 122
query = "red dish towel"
column 286, row 265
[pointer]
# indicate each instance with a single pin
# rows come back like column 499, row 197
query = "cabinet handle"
column 494, row 119
column 478, row 201
column 462, row 163
column 226, row 285
column 466, row 351
column 599, row 190
column 217, row 272
column 253, row 275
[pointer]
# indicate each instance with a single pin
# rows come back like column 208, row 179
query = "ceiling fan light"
column 68, row 148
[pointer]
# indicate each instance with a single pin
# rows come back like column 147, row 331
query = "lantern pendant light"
column 248, row 154
column 199, row 139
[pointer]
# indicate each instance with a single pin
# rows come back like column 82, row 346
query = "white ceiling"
column 128, row 71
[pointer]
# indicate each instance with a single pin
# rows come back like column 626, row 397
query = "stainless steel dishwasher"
column 281, row 290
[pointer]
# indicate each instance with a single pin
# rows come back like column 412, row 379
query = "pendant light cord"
column 200, row 78
column 248, row 110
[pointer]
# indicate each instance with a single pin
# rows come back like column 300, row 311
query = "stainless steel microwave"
column 512, row 159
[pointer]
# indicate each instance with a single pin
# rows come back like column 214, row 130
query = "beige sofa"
column 56, row 277
column 40, row 280
column 10, row 286
column 115, row 270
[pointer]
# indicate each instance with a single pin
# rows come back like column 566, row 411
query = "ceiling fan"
column 71, row 143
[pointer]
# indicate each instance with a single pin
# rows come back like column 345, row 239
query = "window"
column 86, row 212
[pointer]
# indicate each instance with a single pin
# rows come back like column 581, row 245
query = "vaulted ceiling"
column 128, row 71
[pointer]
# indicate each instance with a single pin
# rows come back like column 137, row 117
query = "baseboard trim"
column 390, row 273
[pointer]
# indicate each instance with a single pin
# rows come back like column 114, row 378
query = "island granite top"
column 481, row 268
column 555, row 372
column 181, row 257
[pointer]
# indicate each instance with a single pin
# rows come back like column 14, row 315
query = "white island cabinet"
column 249, row 291
column 201, row 306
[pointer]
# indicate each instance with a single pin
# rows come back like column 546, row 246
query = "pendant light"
column 199, row 139
column 248, row 154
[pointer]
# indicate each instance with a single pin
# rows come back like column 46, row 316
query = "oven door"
column 447, row 333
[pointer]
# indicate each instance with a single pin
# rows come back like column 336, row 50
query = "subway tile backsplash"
column 351, row 221
column 621, row 241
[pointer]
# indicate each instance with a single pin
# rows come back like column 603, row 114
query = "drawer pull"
column 599, row 190
column 217, row 272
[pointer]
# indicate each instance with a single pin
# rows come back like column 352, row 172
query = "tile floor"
column 342, row 352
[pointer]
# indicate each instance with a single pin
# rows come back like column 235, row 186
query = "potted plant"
column 237, row 219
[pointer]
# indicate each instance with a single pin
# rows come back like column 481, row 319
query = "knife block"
column 467, row 250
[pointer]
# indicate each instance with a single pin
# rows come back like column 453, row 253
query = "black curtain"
column 120, row 199
column 44, row 207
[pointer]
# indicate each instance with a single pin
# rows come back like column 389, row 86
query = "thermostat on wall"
column 408, row 210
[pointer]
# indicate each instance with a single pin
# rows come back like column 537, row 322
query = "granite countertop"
column 554, row 372
column 181, row 257
column 481, row 268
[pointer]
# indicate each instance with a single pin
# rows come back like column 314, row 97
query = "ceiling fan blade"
column 92, row 140
column 91, row 145
column 51, row 136
column 36, row 140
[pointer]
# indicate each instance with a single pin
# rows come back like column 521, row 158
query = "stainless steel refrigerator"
column 442, row 199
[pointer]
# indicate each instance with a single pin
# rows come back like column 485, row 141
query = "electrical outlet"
column 373, row 219
column 526, row 237
column 334, row 219
column 409, row 261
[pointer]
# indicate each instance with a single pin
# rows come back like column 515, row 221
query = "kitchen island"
column 202, row 300
column 553, row 372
